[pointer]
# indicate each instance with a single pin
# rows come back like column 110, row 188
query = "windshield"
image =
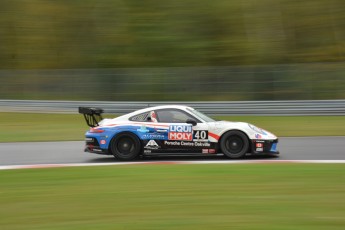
column 200, row 115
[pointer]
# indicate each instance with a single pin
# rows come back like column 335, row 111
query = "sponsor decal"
column 160, row 130
column 147, row 151
column 258, row 136
column 103, row 142
column 181, row 128
column 259, row 145
column 180, row 132
column 180, row 136
column 187, row 143
column 143, row 129
column 211, row 151
column 89, row 139
column 203, row 144
column 204, row 150
column 153, row 136
column 152, row 145
column 178, row 143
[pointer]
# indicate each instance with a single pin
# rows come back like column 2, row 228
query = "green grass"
column 262, row 196
column 18, row 127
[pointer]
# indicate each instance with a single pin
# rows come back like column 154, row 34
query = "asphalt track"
column 69, row 152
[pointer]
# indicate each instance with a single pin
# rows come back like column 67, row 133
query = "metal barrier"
column 318, row 81
column 232, row 108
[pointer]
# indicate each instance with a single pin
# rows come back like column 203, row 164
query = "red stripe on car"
column 215, row 136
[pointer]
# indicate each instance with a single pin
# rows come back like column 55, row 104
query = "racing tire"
column 234, row 144
column 125, row 146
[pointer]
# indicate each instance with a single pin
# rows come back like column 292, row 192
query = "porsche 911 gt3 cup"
column 173, row 129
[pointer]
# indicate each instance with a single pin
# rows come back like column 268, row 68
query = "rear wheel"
column 234, row 144
column 125, row 146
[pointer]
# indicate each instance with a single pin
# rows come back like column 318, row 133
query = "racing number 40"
column 200, row 135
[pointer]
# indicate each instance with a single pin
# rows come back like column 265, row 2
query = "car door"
column 183, row 136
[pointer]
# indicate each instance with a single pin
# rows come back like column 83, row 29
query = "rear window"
column 140, row 117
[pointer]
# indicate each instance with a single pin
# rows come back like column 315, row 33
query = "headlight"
column 256, row 129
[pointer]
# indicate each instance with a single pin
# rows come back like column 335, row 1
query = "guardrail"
column 256, row 108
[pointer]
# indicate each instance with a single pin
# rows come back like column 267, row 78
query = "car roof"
column 183, row 107
column 148, row 109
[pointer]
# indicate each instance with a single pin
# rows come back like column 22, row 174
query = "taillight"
column 93, row 130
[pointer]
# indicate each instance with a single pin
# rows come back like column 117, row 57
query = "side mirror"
column 191, row 121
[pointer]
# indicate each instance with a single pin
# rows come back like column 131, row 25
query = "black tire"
column 234, row 144
column 125, row 146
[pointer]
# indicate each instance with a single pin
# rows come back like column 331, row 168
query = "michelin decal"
column 152, row 145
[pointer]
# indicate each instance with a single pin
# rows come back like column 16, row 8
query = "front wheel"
column 234, row 144
column 125, row 146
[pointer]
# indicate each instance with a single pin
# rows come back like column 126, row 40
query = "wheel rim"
column 125, row 146
column 234, row 144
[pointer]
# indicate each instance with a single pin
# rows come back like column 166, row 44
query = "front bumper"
column 264, row 147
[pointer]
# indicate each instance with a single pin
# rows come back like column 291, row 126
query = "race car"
column 172, row 129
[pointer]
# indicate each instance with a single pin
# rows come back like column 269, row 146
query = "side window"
column 173, row 116
column 140, row 117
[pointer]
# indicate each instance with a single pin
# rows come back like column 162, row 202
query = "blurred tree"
column 133, row 33
column 89, row 34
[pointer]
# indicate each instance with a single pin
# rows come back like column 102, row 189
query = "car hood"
column 251, row 130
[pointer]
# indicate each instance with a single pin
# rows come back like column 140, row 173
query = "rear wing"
column 92, row 115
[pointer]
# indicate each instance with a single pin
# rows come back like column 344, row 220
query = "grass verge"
column 56, row 127
column 263, row 196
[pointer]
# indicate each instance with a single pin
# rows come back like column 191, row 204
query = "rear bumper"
column 97, row 150
column 263, row 147
column 92, row 146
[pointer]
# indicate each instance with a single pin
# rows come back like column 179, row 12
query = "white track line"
column 8, row 167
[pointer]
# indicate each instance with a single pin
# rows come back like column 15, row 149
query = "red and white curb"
column 35, row 166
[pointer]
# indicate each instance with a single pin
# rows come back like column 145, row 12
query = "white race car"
column 173, row 129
